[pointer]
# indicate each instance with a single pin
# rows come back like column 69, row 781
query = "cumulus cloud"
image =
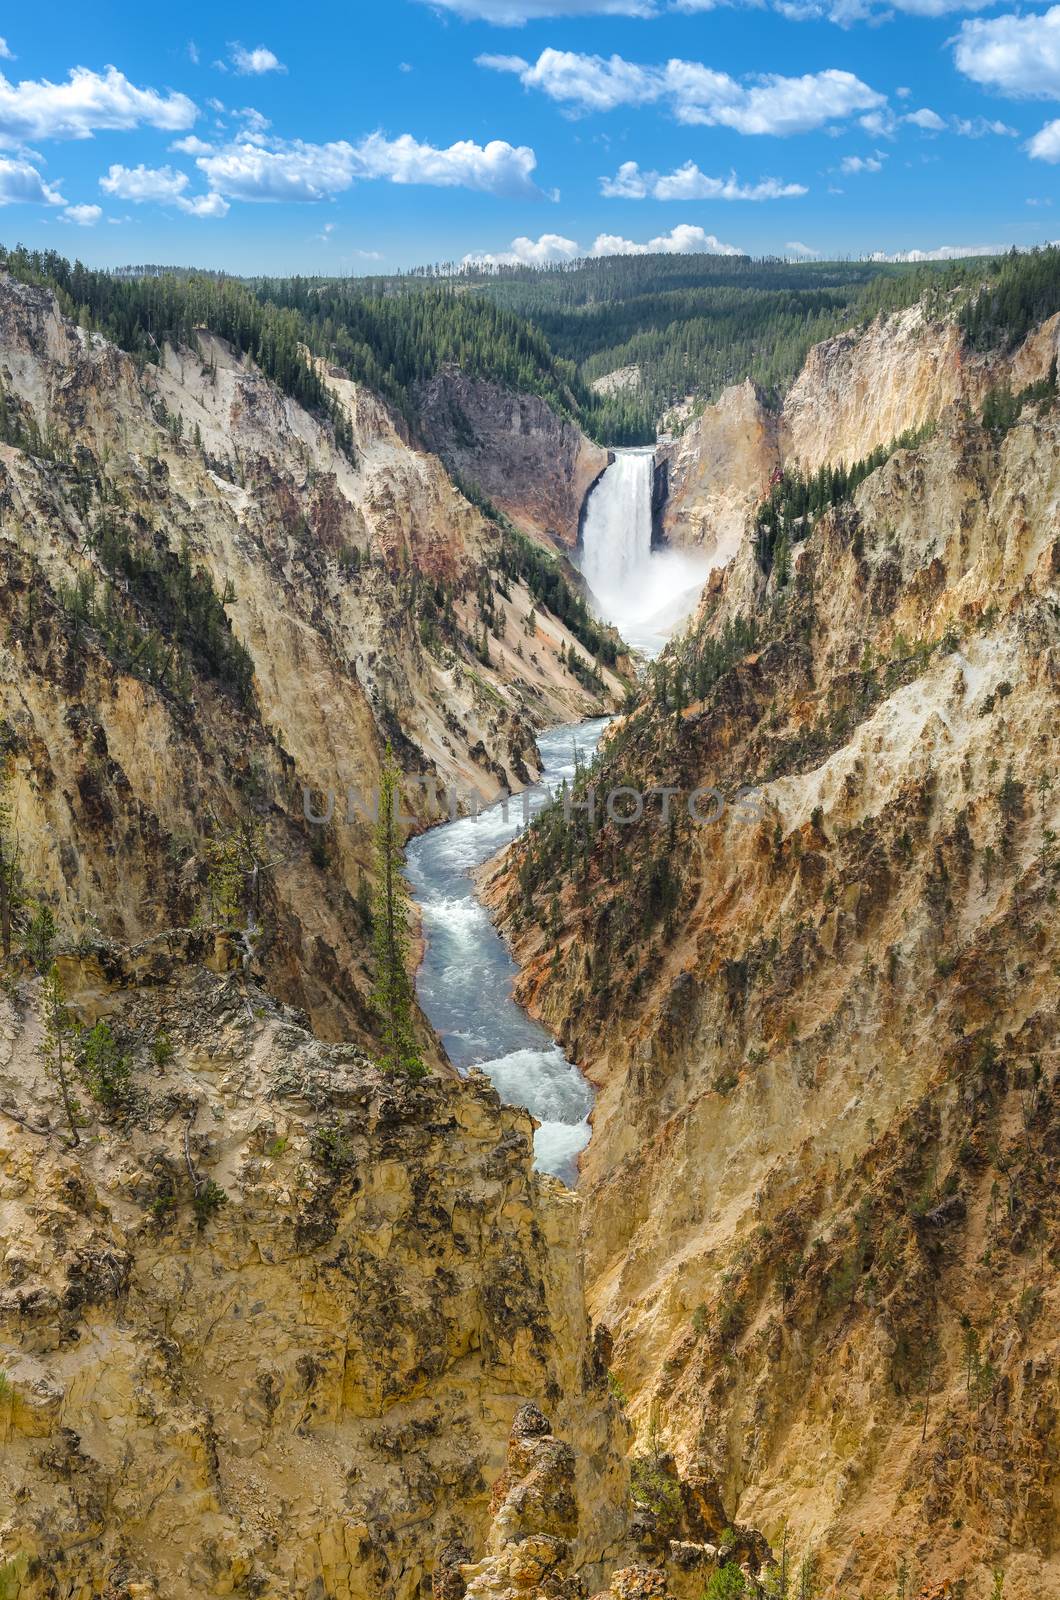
column 87, row 102
column 6, row 54
column 1045, row 145
column 979, row 127
column 805, row 252
column 694, row 93
column 1018, row 56
column 144, row 183
column 925, row 118
column 854, row 164
column 689, row 183
column 164, row 186
column 684, row 240
column 22, row 184
column 514, row 13
column 253, row 63
column 204, row 205
column 542, row 252
column 83, row 216
column 259, row 169
column 944, row 252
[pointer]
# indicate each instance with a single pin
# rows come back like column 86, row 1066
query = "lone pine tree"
column 393, row 987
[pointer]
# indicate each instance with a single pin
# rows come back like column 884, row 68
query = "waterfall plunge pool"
column 465, row 980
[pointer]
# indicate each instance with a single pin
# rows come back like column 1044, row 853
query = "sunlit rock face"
column 531, row 463
column 267, row 1326
column 826, row 1063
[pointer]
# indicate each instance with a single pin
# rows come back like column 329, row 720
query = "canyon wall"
column 355, row 583
column 855, row 393
column 534, row 465
column 821, row 1214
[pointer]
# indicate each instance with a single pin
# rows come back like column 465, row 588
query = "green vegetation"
column 56, row 1049
column 1021, row 290
column 159, row 614
column 142, row 313
column 102, row 1066
column 696, row 323
column 393, row 987
column 795, row 502
column 691, row 324
column 1002, row 409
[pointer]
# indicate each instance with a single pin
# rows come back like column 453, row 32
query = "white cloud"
column 83, row 216
column 204, row 205
column 87, row 101
column 253, row 63
column 164, row 186
column 852, row 164
column 514, row 13
column 256, row 169
column 1018, row 56
column 979, row 127
column 846, row 12
column 805, row 252
column 6, row 53
column 21, row 184
column 683, row 240
column 944, row 252
column 689, row 183
column 1045, row 145
column 542, row 252
column 925, row 118
column 695, row 94
column 191, row 146
column 144, row 183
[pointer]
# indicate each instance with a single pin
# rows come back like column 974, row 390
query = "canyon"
column 283, row 1323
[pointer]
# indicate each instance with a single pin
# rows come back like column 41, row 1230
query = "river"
column 465, row 981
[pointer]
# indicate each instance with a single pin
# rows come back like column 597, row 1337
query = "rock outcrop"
column 718, row 472
column 512, row 447
column 265, row 1327
column 856, row 392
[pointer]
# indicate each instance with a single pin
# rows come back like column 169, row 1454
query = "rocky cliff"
column 856, row 393
column 513, row 447
column 266, row 1325
column 211, row 610
column 820, row 1193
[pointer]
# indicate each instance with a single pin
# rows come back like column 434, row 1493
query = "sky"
column 374, row 136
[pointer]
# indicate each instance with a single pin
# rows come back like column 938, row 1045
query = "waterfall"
column 644, row 592
column 616, row 534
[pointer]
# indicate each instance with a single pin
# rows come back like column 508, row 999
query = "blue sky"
column 373, row 136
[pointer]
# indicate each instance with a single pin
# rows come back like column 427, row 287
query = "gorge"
column 276, row 1319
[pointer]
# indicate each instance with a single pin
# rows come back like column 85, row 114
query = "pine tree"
column 393, row 987
column 8, row 864
column 56, row 1046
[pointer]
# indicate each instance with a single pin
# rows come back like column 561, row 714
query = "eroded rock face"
column 820, row 1195
column 352, row 583
column 514, row 448
column 718, row 472
column 856, row 392
column 301, row 1383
